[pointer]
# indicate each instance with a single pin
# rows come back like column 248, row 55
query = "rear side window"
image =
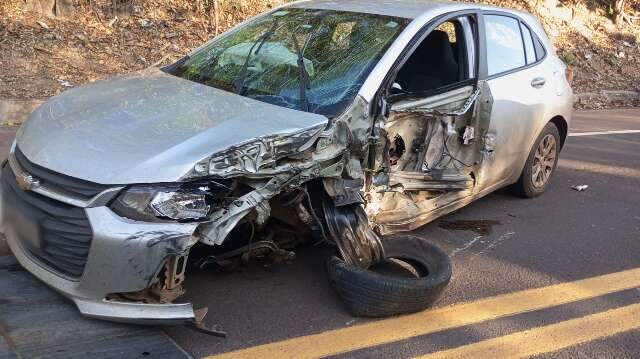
column 540, row 51
column 528, row 45
column 505, row 49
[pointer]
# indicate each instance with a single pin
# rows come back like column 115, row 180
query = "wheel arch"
column 563, row 128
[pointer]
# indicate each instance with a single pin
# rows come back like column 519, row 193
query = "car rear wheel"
column 541, row 163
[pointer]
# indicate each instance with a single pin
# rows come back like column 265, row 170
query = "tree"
column 51, row 8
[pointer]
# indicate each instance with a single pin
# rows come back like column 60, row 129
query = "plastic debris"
column 580, row 188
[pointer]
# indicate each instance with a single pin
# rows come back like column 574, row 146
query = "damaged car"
column 319, row 121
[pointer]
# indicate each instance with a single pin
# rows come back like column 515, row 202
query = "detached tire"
column 370, row 294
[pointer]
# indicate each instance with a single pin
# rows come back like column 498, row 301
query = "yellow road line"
column 390, row 330
column 550, row 338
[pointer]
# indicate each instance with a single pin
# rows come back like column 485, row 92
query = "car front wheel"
column 541, row 163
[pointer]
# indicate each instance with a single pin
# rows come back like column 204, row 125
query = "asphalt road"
column 532, row 285
column 560, row 237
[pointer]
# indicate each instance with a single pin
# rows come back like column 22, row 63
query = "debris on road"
column 580, row 188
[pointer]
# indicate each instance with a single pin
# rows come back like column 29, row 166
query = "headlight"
column 256, row 155
column 179, row 206
column 182, row 202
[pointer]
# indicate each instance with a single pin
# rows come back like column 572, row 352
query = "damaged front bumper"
column 119, row 269
column 124, row 256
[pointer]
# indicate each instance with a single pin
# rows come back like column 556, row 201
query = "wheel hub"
column 544, row 161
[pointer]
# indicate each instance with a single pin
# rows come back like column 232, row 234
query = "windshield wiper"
column 304, row 76
column 242, row 76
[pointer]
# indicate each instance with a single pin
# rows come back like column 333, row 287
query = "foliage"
column 41, row 56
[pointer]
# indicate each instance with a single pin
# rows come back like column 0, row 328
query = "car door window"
column 505, row 49
column 528, row 44
column 440, row 60
column 430, row 100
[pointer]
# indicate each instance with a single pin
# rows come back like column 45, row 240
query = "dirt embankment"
column 42, row 56
column 605, row 56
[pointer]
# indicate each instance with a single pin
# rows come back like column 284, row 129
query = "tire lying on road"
column 367, row 293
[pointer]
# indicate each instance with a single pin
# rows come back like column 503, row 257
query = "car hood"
column 147, row 127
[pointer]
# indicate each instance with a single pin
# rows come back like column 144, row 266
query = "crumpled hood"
column 148, row 127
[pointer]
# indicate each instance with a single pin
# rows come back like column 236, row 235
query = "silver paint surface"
column 404, row 8
column 147, row 127
column 151, row 127
column 125, row 256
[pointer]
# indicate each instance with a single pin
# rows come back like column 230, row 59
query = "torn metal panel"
column 441, row 104
column 215, row 231
column 433, row 158
column 426, row 181
column 344, row 191
column 409, row 211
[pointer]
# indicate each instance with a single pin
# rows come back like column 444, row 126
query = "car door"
column 438, row 78
column 518, row 85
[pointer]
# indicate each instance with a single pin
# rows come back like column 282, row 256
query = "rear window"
column 505, row 49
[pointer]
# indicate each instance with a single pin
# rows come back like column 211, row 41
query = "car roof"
column 409, row 9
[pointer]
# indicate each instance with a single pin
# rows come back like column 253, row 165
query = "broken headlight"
column 251, row 157
column 170, row 203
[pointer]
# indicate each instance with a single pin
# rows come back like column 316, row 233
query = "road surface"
column 559, row 276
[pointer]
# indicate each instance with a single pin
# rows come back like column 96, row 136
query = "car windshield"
column 305, row 59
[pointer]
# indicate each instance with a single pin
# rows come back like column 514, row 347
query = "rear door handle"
column 538, row 82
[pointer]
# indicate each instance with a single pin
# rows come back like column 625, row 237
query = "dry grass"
column 37, row 59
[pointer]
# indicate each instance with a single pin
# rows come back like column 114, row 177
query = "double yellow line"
column 400, row 328
column 549, row 338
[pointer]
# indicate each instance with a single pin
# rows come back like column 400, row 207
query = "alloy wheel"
column 544, row 161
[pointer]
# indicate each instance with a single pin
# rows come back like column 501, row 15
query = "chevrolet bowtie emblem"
column 27, row 182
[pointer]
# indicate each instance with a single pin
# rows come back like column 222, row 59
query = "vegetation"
column 49, row 45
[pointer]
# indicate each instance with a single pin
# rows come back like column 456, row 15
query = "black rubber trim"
column 63, row 230
column 71, row 185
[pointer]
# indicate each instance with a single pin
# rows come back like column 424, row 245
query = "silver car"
column 319, row 120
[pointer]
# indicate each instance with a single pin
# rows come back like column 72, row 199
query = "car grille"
column 72, row 186
column 64, row 231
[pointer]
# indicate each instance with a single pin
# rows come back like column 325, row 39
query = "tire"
column 526, row 187
column 366, row 293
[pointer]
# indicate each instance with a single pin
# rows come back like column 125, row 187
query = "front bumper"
column 124, row 256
